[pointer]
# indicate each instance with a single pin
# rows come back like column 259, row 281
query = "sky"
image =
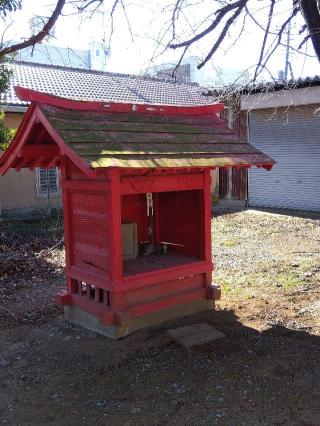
column 142, row 43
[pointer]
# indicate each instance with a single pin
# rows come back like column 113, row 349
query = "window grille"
column 47, row 181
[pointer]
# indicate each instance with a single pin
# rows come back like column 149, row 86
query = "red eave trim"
column 30, row 95
column 10, row 153
column 163, row 109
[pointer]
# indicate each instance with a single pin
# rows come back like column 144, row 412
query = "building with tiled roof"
column 81, row 84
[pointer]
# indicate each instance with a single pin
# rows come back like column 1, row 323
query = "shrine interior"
column 161, row 230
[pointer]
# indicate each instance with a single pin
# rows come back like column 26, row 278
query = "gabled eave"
column 21, row 154
column 65, row 150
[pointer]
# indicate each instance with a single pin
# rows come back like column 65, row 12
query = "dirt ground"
column 265, row 372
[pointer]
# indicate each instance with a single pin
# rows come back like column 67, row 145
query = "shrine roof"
column 135, row 135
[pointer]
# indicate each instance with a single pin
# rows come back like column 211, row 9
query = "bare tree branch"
column 222, row 22
column 304, row 41
column 223, row 33
column 128, row 21
column 114, row 6
column 280, row 31
column 221, row 13
column 279, row 37
column 175, row 70
column 175, row 15
column 266, row 33
column 4, row 34
column 39, row 36
column 82, row 5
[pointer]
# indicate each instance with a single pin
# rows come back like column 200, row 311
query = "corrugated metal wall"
column 292, row 137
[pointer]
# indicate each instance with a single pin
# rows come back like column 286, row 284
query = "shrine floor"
column 154, row 262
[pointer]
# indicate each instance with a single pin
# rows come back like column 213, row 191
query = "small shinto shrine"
column 135, row 183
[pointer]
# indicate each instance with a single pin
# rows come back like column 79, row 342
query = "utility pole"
column 286, row 66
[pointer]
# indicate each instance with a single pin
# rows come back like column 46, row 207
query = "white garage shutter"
column 292, row 137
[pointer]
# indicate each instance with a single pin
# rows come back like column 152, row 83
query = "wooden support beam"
column 39, row 151
column 33, row 163
column 45, row 162
column 88, row 187
column 50, row 163
column 21, row 162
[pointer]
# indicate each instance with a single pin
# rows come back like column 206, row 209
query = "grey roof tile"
column 299, row 83
column 80, row 84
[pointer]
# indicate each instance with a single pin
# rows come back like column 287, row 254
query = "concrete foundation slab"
column 90, row 322
column 195, row 334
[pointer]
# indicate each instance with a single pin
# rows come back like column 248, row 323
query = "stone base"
column 195, row 334
column 90, row 322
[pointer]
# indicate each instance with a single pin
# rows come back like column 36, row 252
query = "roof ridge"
column 106, row 73
column 120, row 107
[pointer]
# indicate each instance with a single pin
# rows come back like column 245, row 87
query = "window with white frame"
column 47, row 182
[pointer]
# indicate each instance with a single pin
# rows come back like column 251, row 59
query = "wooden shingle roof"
column 136, row 135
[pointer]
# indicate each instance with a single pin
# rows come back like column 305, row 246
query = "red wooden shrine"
column 135, row 181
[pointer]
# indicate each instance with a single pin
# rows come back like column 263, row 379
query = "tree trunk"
column 310, row 12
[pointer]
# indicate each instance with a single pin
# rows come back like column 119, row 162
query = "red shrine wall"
column 180, row 221
column 90, row 248
column 133, row 210
column 94, row 209
column 87, row 221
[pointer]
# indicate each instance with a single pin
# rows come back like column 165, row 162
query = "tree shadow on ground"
column 268, row 376
column 251, row 377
